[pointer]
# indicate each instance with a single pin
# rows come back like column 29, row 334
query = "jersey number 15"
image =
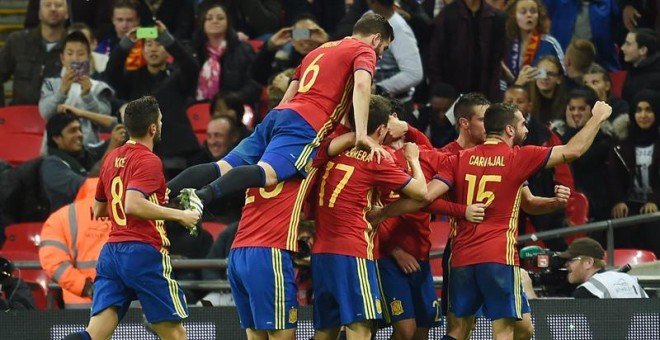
column 482, row 194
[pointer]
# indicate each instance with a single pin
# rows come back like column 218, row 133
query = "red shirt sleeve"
column 365, row 59
column 146, row 176
column 389, row 175
column 442, row 207
column 322, row 156
column 418, row 137
column 563, row 174
column 100, row 191
column 530, row 159
column 296, row 73
column 446, row 170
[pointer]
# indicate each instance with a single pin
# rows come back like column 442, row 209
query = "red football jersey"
column 133, row 167
column 493, row 174
column 347, row 187
column 271, row 215
column 410, row 231
column 325, row 92
column 452, row 148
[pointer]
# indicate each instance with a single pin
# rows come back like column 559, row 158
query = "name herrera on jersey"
column 360, row 155
column 487, row 161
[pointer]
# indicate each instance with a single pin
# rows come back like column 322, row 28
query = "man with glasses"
column 586, row 267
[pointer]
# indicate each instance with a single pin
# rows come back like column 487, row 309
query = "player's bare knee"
column 224, row 166
column 253, row 334
column 523, row 330
column 170, row 330
column 271, row 175
column 282, row 334
column 404, row 329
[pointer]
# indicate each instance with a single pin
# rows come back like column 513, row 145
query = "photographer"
column 586, row 268
column 14, row 293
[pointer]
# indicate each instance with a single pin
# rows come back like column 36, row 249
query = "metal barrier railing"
column 650, row 281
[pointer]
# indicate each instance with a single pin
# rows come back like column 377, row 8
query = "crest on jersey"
column 397, row 307
column 293, row 315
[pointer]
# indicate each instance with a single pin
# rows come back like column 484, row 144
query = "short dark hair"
column 372, row 23
column 646, row 37
column 81, row 26
column 584, row 92
column 380, row 110
column 519, row 87
column 443, row 90
column 130, row 4
column 233, row 101
column 140, row 114
column 597, row 69
column 464, row 107
column 498, row 116
column 79, row 37
column 56, row 124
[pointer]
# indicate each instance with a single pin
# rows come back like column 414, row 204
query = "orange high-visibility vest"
column 71, row 240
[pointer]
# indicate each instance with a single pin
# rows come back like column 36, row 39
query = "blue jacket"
column 603, row 16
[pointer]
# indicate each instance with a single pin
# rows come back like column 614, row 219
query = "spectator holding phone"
column 74, row 87
column 548, row 91
column 527, row 35
column 284, row 50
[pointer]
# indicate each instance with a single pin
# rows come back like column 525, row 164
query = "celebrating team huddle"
column 370, row 263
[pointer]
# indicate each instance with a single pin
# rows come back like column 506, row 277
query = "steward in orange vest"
column 71, row 240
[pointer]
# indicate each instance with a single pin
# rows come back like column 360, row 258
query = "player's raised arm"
column 534, row 205
column 581, row 142
column 139, row 206
column 290, row 91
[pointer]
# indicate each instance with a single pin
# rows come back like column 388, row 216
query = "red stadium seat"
column 617, row 78
column 577, row 213
column 37, row 278
column 23, row 237
column 19, row 148
column 214, row 228
column 199, row 115
column 632, row 256
column 201, row 137
column 21, row 119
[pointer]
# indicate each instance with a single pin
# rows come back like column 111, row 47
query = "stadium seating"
column 577, row 213
column 21, row 120
column 617, row 78
column 37, row 278
column 23, row 237
column 30, row 147
column 632, row 256
column 199, row 115
column 214, row 228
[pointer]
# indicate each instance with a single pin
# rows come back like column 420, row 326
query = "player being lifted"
column 329, row 79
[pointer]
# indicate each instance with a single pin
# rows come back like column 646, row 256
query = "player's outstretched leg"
column 170, row 330
column 239, row 179
column 196, row 177
column 101, row 326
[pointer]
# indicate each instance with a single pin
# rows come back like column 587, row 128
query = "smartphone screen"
column 81, row 68
column 147, row 33
column 300, row 34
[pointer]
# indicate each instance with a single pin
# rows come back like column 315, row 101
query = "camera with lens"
column 547, row 271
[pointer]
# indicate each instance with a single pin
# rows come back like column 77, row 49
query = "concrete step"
column 14, row 4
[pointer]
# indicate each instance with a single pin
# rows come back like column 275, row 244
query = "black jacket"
column 622, row 166
column 236, row 62
column 171, row 87
column 25, row 57
column 645, row 76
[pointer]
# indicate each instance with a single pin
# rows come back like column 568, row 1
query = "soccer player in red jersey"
column 134, row 263
column 485, row 268
column 265, row 243
column 469, row 112
column 343, row 268
column 330, row 79
column 411, row 303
